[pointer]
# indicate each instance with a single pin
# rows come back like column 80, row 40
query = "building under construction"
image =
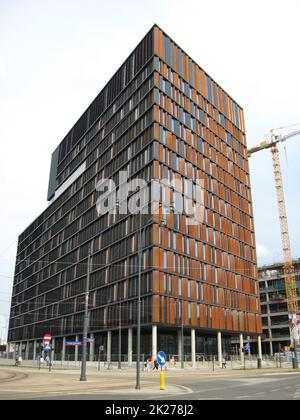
column 274, row 307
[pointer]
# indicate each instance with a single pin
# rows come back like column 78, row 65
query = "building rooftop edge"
column 276, row 265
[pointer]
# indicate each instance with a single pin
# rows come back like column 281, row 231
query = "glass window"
column 190, row 311
column 165, row 259
column 180, row 287
column 188, row 246
column 165, row 283
column 217, row 295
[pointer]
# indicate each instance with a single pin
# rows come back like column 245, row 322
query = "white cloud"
column 262, row 251
column 3, row 328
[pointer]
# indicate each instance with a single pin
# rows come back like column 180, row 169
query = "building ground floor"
column 190, row 345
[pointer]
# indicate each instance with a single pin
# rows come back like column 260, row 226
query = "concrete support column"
column 108, row 351
column 34, row 350
column 76, row 349
column 241, row 348
column 154, row 341
column 248, row 339
column 92, row 348
column 220, row 350
column 259, row 347
column 179, row 345
column 63, row 354
column 27, row 351
column 129, row 347
column 193, row 347
column 271, row 349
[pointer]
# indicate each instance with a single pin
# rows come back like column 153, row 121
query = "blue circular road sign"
column 161, row 358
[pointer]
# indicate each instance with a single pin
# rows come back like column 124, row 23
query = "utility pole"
column 182, row 335
column 83, row 377
column 138, row 371
column 120, row 337
column 294, row 332
column 120, row 318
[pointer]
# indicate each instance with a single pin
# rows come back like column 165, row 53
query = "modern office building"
column 160, row 116
column 275, row 319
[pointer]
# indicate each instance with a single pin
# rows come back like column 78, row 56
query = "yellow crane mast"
column 289, row 270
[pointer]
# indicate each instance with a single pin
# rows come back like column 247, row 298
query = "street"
column 25, row 383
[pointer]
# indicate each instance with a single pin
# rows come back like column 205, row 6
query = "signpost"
column 162, row 360
column 47, row 338
column 73, row 343
column 48, row 348
column 247, row 347
column 101, row 349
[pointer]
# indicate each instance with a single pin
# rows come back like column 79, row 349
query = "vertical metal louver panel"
column 124, row 75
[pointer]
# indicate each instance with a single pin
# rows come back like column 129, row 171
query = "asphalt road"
column 114, row 386
column 255, row 388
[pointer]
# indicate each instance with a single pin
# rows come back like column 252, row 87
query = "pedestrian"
column 156, row 365
column 47, row 360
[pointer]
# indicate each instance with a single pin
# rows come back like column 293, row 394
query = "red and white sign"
column 47, row 338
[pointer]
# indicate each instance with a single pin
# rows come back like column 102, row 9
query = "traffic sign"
column 73, row 343
column 47, row 338
column 247, row 347
column 161, row 358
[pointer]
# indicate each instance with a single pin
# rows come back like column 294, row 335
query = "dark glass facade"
column 160, row 116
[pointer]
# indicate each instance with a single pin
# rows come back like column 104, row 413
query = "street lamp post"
column 295, row 364
column 182, row 336
column 120, row 338
column 172, row 210
column 83, row 377
column 140, row 254
column 120, row 318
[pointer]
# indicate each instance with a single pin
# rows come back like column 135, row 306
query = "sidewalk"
column 104, row 366
column 28, row 383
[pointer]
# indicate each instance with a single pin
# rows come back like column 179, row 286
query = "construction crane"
column 289, row 270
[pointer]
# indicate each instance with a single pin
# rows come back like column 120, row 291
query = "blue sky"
column 51, row 69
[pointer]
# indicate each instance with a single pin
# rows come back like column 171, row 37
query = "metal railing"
column 204, row 362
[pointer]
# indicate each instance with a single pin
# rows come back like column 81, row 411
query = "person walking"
column 224, row 363
column 156, row 365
